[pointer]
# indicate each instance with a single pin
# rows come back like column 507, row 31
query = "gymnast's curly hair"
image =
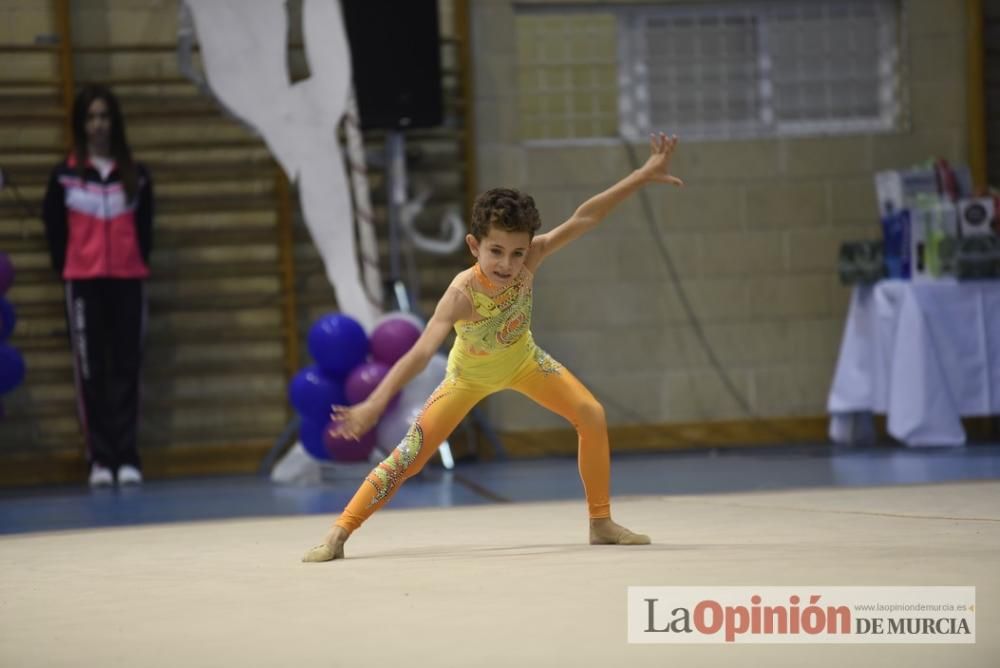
column 507, row 209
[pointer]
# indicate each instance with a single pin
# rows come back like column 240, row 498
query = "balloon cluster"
column 348, row 367
column 11, row 361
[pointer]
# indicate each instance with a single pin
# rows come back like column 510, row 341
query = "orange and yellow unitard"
column 492, row 353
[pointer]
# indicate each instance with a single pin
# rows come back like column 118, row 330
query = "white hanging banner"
column 244, row 52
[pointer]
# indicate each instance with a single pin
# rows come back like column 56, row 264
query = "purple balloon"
column 363, row 380
column 392, row 338
column 347, row 449
column 6, row 273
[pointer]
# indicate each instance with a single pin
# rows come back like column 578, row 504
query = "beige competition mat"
column 501, row 585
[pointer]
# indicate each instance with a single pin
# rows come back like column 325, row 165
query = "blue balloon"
column 12, row 368
column 8, row 318
column 311, row 436
column 338, row 343
column 313, row 393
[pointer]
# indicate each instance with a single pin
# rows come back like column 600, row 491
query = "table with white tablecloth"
column 925, row 354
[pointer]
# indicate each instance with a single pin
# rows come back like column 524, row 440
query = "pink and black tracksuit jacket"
column 100, row 245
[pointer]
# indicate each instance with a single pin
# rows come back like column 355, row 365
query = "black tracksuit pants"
column 107, row 322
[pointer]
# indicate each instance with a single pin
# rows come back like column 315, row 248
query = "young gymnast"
column 489, row 307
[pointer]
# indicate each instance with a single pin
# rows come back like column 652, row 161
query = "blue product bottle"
column 896, row 243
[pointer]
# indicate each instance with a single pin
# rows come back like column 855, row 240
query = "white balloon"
column 425, row 382
column 396, row 422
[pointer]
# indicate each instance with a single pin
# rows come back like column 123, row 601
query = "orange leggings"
column 539, row 378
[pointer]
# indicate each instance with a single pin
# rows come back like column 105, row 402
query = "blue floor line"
column 476, row 483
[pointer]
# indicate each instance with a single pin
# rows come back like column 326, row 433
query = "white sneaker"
column 129, row 475
column 100, row 476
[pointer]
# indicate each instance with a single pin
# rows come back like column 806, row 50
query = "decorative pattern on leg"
column 392, row 469
column 545, row 362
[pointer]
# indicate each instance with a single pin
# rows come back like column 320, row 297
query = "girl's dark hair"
column 506, row 208
column 120, row 150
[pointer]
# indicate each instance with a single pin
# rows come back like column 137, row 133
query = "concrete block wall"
column 754, row 237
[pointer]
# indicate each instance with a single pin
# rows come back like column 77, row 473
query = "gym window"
column 709, row 71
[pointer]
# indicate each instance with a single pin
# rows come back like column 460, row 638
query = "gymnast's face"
column 500, row 253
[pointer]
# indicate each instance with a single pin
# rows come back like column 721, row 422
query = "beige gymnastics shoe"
column 324, row 553
column 606, row 532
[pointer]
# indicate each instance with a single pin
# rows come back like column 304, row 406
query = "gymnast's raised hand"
column 657, row 167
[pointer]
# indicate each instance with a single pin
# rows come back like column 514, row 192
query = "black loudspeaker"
column 396, row 59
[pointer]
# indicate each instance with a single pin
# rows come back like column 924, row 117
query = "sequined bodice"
column 505, row 315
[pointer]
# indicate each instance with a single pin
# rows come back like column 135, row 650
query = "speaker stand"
column 407, row 296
